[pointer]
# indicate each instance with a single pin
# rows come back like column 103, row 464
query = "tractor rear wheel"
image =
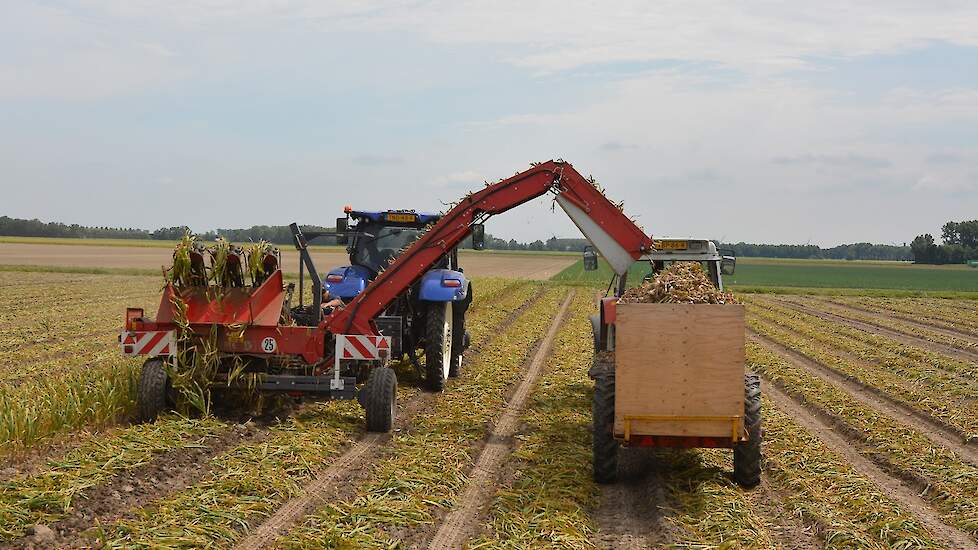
column 152, row 394
column 379, row 399
column 438, row 349
column 747, row 454
column 458, row 340
column 603, row 443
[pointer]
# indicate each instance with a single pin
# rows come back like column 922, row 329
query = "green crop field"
column 761, row 274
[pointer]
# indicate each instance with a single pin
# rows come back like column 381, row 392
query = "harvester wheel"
column 747, row 455
column 596, row 331
column 603, row 443
column 438, row 349
column 153, row 391
column 458, row 340
column 379, row 399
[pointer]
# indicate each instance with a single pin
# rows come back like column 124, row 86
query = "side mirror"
column 478, row 236
column 728, row 265
column 590, row 259
column 342, row 224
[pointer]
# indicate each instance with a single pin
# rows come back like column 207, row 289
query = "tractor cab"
column 374, row 238
column 669, row 251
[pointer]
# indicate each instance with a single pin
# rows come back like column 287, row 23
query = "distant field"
column 120, row 256
column 754, row 273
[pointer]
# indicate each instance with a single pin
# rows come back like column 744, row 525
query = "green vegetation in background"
column 760, row 274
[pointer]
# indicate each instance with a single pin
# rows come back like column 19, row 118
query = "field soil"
column 476, row 264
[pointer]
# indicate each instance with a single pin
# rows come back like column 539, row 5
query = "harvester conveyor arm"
column 616, row 236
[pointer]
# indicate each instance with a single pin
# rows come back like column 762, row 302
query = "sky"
column 785, row 122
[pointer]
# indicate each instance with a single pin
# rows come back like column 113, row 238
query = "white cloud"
column 464, row 178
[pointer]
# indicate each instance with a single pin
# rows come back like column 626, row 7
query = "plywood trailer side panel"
column 679, row 360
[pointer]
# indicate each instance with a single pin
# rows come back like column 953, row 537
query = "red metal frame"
column 454, row 226
column 259, row 310
column 678, row 441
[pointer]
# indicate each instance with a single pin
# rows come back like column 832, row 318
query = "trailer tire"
column 153, row 390
column 438, row 348
column 458, row 340
column 747, row 454
column 596, row 331
column 379, row 399
column 603, row 443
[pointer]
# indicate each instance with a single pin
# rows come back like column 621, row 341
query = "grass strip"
column 952, row 484
column 427, row 469
column 546, row 504
column 48, row 495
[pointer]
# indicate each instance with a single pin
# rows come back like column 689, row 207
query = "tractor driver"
column 329, row 304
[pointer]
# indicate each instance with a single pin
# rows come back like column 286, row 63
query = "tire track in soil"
column 630, row 516
column 954, row 333
column 901, row 337
column 126, row 492
column 893, row 487
column 338, row 480
column 931, row 428
column 463, row 520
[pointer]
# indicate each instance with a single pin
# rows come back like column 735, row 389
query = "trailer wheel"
column 747, row 454
column 379, row 399
column 596, row 331
column 458, row 340
column 438, row 345
column 603, row 443
column 153, row 390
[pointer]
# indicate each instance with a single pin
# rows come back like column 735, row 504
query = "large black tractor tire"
column 379, row 399
column 153, row 392
column 459, row 340
column 438, row 348
column 747, row 454
column 603, row 443
column 596, row 331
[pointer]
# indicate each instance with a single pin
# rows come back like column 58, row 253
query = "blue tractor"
column 430, row 314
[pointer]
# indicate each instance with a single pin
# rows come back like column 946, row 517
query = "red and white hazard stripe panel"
column 359, row 346
column 154, row 342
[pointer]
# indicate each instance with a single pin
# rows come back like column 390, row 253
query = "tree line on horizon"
column 959, row 244
column 280, row 234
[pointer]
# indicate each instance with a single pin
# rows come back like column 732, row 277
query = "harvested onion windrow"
column 680, row 283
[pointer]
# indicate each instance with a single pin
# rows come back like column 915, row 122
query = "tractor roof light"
column 347, row 209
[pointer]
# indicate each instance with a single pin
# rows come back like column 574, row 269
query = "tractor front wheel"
column 603, row 443
column 379, row 399
column 747, row 454
column 438, row 350
column 152, row 394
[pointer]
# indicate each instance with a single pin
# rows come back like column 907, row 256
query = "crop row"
column 921, row 386
column 89, row 382
column 546, row 504
column 248, row 483
column 887, row 322
column 938, row 312
column 427, row 471
column 951, row 483
column 883, row 348
column 48, row 494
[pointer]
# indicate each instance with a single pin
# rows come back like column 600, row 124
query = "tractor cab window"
column 377, row 245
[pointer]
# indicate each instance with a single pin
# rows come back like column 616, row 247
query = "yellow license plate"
column 406, row 218
column 671, row 245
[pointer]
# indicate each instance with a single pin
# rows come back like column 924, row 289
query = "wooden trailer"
column 673, row 375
